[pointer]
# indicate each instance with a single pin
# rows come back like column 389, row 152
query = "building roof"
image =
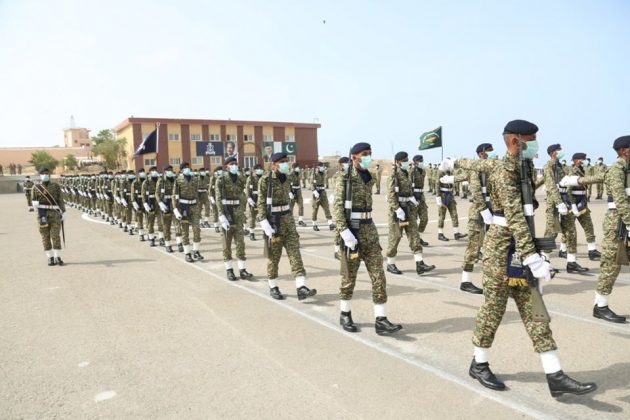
column 131, row 120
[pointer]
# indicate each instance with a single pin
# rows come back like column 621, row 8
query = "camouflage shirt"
column 553, row 172
column 318, row 180
column 148, row 191
column 164, row 190
column 229, row 190
column 52, row 190
column 251, row 186
column 400, row 180
column 279, row 192
column 294, row 179
column 614, row 181
column 361, row 196
column 185, row 188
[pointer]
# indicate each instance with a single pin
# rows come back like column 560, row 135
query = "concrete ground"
column 129, row 331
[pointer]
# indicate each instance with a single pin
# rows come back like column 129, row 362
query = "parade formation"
column 501, row 237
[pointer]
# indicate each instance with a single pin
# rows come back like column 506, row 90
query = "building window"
column 197, row 160
column 195, row 137
column 248, row 137
column 249, row 161
column 289, row 138
column 267, row 138
column 215, row 137
column 173, row 136
column 231, row 137
column 175, row 161
column 149, row 162
column 215, row 160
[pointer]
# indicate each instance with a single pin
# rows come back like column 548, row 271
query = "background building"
column 206, row 143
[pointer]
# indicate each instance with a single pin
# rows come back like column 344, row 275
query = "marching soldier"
column 418, row 174
column 353, row 217
column 378, row 172
column 229, row 189
column 204, row 201
column 164, row 197
column 125, row 199
column 403, row 215
column 149, row 203
column 185, row 208
column 296, row 193
column 510, row 235
column 304, row 176
column 600, row 170
column 136, row 201
column 446, row 200
column 589, row 170
column 212, row 196
column 251, row 186
column 558, row 204
column 320, row 198
column 51, row 214
column 344, row 164
column 278, row 225
column 28, row 189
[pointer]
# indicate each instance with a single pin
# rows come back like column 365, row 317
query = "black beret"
column 277, row 156
column 229, row 160
column 418, row 158
column 400, row 156
column 359, row 147
column 520, row 127
column 579, row 156
column 621, row 143
column 44, row 171
column 343, row 159
column 218, row 168
column 483, row 147
column 140, row 170
column 168, row 168
column 153, row 168
column 184, row 165
column 320, row 164
column 258, row 166
column 553, row 148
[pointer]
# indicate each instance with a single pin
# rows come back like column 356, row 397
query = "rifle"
column 401, row 223
column 269, row 205
column 539, row 311
column 348, row 254
column 621, row 234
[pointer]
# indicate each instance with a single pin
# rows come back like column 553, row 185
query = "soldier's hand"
column 349, row 239
column 574, row 209
column 224, row 222
column 251, row 202
column 447, row 179
column 400, row 213
column 316, row 194
column 63, row 216
column 414, row 201
column 438, row 201
column 177, row 214
column 541, row 269
column 570, row 181
column 136, row 206
column 163, row 207
column 487, row 216
column 147, row 207
column 212, row 200
column 291, row 196
column 562, row 209
column 266, row 227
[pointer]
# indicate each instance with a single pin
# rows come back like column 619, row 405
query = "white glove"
column 213, row 201
column 251, row 202
column 413, row 200
column 266, row 227
column 135, row 206
column 349, row 239
column 316, row 194
column 570, row 181
column 63, row 217
column 117, row 199
column 574, row 209
column 562, row 209
column 124, row 202
column 486, row 215
column 89, row 194
column 35, row 204
column 224, row 222
column 291, row 196
column 541, row 269
column 447, row 179
column 147, row 207
column 163, row 207
column 438, row 200
column 177, row 214
column 400, row 213
column 465, row 184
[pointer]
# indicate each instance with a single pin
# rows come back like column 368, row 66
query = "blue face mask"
column 366, row 162
column 284, row 168
column 404, row 165
column 559, row 155
column 531, row 151
column 219, row 172
column 233, row 169
column 186, row 172
column 492, row 156
column 297, row 170
column 143, row 175
column 259, row 172
column 420, row 165
column 131, row 177
column 44, row 178
column 322, row 168
column 345, row 166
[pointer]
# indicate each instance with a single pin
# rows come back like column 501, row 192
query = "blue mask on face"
column 284, row 168
column 366, row 162
column 186, row 172
column 492, row 156
column 420, row 165
column 345, row 166
column 531, row 151
column 44, row 178
column 559, row 155
column 404, row 165
column 233, row 169
column 259, row 172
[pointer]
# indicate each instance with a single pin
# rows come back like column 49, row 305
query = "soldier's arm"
column 510, row 197
column 338, row 210
column 615, row 177
column 460, row 175
column 60, row 201
column 538, row 182
column 262, row 196
column 219, row 195
column 392, row 196
column 553, row 195
column 592, row 179
column 174, row 195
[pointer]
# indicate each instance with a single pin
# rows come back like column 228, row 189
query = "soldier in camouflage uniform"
column 185, row 208
column 360, row 239
column 558, row 203
column 125, row 199
column 418, row 174
column 403, row 215
column 204, row 199
column 231, row 208
column 600, row 170
column 304, row 176
column 251, row 186
column 108, row 196
column 149, row 203
column 136, row 201
column 218, row 172
column 446, row 200
column 510, row 235
column 296, row 193
column 51, row 213
column 278, row 225
column 164, row 198
column 342, row 170
column 378, row 173
column 28, row 188
column 320, row 197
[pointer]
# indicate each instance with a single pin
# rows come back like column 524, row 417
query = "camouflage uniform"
column 445, row 192
column 125, row 194
column 294, row 178
column 281, row 220
column 148, row 194
column 136, row 197
column 378, row 172
column 164, row 194
column 212, row 196
column 600, row 169
column 186, row 199
column 553, row 173
column 49, row 214
column 399, row 193
column 578, row 196
column 318, row 185
column 229, row 189
column 28, row 189
column 251, row 186
column 505, row 195
column 417, row 184
column 369, row 248
column 204, row 199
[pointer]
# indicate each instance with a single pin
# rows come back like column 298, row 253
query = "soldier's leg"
column 166, row 222
column 240, row 247
column 567, row 223
column 550, row 222
column 226, row 241
column 609, row 269
column 315, row 209
column 441, row 216
column 452, row 209
column 291, row 243
column 275, row 252
column 423, row 216
column 44, row 231
column 348, row 281
column 539, row 332
column 474, row 245
column 326, row 207
column 586, row 222
column 196, row 230
column 393, row 239
column 300, row 201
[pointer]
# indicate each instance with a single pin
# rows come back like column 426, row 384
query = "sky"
column 376, row 71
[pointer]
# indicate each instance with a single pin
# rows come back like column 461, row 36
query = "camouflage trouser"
column 299, row 200
column 496, row 292
column 51, row 230
column 587, row 224
column 29, row 199
column 151, row 221
column 423, row 215
column 377, row 184
column 600, row 189
column 252, row 213
column 395, row 233
column 109, row 208
column 139, row 219
column 214, row 214
column 567, row 225
column 204, row 204
column 167, row 220
column 370, row 253
column 452, row 210
column 290, row 241
column 127, row 213
column 476, row 232
column 589, row 191
column 608, row 267
column 323, row 202
column 191, row 221
column 235, row 232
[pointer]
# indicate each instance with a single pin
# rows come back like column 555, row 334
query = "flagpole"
column 157, row 143
column 442, row 141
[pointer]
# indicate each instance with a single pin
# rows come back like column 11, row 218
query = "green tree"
column 42, row 159
column 70, row 162
column 102, row 136
column 113, row 150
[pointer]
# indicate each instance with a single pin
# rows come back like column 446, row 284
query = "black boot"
column 482, row 373
column 244, row 274
column 142, row 238
column 51, row 261
column 274, row 292
column 422, row 268
column 130, row 231
column 562, row 254
column 383, row 326
column 31, row 209
column 169, row 249
column 180, row 247
column 594, row 255
column 441, row 237
column 162, row 243
column 605, row 313
column 560, row 383
column 230, row 275
column 152, row 242
column 59, row 261
column 316, row 228
column 423, row 242
column 573, row 267
column 252, row 236
column 217, row 230
column 391, row 268
column 189, row 258
column 467, row 286
column 345, row 320
column 301, row 223
column 459, row 236
column 336, row 255
column 126, row 229
column 304, row 292
column 331, row 226
column 197, row 255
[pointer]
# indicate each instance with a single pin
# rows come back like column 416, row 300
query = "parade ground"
column 124, row 330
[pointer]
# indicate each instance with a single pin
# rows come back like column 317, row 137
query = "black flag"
column 148, row 145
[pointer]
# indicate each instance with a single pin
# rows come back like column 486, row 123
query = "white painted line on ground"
column 105, row 395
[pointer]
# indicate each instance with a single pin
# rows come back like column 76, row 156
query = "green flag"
column 289, row 147
column 431, row 139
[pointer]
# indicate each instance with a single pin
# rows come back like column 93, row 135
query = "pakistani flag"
column 289, row 147
column 431, row 139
